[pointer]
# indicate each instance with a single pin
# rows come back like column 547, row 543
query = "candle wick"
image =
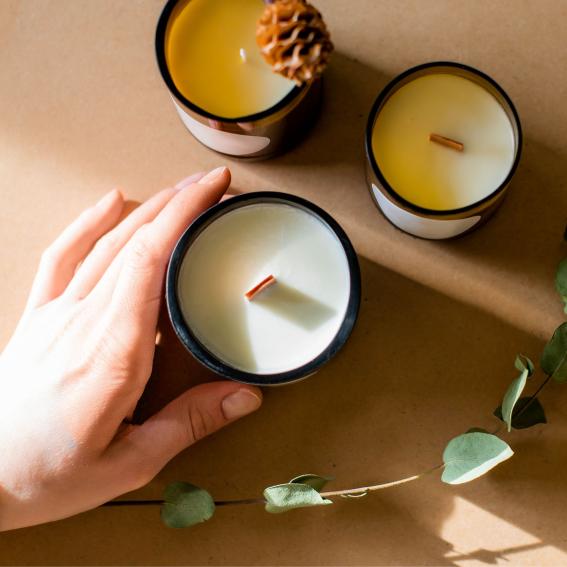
column 266, row 282
column 447, row 142
column 243, row 55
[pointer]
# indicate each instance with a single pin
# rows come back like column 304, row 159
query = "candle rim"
column 212, row 361
column 161, row 32
column 390, row 89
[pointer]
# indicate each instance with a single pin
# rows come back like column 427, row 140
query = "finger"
column 137, row 292
column 59, row 261
column 108, row 247
column 195, row 414
column 195, row 178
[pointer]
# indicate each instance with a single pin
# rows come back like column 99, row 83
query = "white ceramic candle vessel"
column 443, row 141
column 264, row 288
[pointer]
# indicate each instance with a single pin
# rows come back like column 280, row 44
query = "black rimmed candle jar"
column 224, row 92
column 285, row 331
column 443, row 141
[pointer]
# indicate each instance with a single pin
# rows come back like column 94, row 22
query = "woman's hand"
column 82, row 354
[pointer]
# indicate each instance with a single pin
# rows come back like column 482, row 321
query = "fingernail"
column 108, row 198
column 190, row 180
column 213, row 175
column 240, row 403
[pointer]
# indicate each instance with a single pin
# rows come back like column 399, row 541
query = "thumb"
column 200, row 411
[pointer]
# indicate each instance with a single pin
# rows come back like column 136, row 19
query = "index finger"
column 136, row 298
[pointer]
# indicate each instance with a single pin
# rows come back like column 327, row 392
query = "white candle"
column 286, row 325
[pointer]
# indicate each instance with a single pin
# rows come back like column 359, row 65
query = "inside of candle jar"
column 212, row 58
column 479, row 118
column 289, row 324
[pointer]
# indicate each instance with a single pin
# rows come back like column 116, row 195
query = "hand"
column 82, row 354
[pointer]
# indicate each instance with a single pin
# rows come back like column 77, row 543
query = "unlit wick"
column 447, row 142
column 266, row 282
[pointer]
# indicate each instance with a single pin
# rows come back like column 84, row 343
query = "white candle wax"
column 431, row 175
column 286, row 325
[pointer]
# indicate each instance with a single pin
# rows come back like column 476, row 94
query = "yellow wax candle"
column 431, row 175
column 214, row 61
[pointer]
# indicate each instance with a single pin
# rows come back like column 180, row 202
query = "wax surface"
column 203, row 52
column 433, row 176
column 286, row 325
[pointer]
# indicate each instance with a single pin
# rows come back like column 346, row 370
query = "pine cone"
column 294, row 39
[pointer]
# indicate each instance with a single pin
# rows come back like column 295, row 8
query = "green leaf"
column 284, row 497
column 314, row 481
column 186, row 505
column 554, row 357
column 524, row 363
column 561, row 279
column 471, row 455
column 511, row 396
column 522, row 419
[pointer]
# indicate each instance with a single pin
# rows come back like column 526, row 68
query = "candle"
column 443, row 141
column 264, row 288
column 214, row 60
column 225, row 93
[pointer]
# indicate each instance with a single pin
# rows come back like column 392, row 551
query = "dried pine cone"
column 294, row 39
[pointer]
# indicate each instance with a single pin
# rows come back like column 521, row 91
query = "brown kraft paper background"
column 84, row 109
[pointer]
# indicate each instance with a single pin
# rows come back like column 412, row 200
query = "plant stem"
column 116, row 503
column 364, row 489
column 532, row 398
column 361, row 490
column 237, row 502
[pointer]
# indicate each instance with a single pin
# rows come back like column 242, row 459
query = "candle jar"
column 240, row 128
column 443, row 141
column 215, row 288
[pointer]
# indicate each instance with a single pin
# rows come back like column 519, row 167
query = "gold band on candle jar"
column 224, row 92
column 443, row 141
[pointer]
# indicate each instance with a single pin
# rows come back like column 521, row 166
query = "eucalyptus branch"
column 366, row 489
column 118, row 503
column 246, row 501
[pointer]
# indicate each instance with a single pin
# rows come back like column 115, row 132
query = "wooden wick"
column 266, row 282
column 447, row 142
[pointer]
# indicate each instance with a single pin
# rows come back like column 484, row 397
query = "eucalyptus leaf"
column 554, row 357
column 561, row 279
column 511, row 396
column 524, row 418
column 472, row 455
column 284, row 497
column 314, row 481
column 522, row 363
column 186, row 505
